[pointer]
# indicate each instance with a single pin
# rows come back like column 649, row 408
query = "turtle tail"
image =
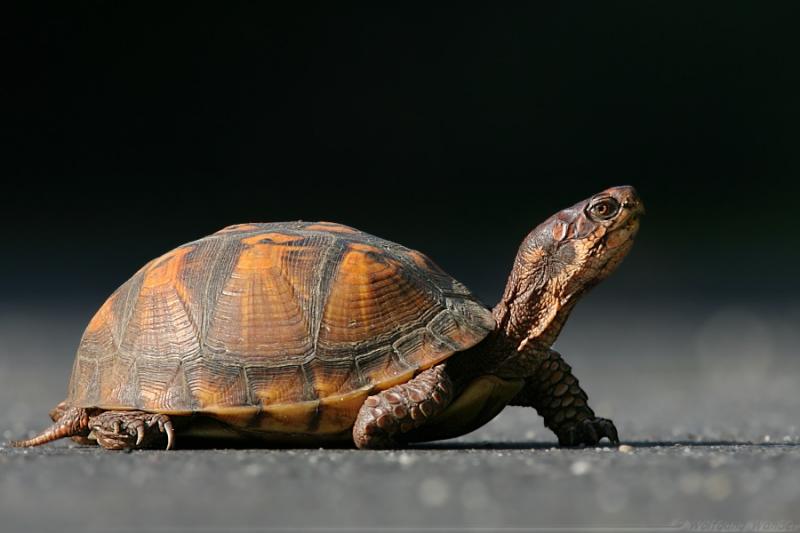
column 73, row 423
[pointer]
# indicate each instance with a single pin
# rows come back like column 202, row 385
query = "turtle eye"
column 603, row 209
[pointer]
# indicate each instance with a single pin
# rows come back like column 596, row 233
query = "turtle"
column 316, row 333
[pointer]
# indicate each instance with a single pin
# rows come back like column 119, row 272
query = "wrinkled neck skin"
column 533, row 309
column 529, row 318
column 556, row 264
column 539, row 296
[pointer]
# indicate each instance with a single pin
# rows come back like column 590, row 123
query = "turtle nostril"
column 635, row 206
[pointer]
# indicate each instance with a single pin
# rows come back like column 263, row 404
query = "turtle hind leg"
column 114, row 430
column 385, row 417
column 58, row 411
column 119, row 430
column 55, row 415
column 69, row 422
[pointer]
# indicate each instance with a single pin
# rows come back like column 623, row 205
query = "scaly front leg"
column 386, row 417
column 557, row 396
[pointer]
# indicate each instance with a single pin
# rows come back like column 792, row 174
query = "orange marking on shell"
column 259, row 315
column 419, row 259
column 424, row 262
column 294, row 417
column 387, row 380
column 160, row 326
column 328, row 416
column 258, row 322
column 330, row 226
column 165, row 270
column 338, row 413
column 355, row 309
column 331, row 379
column 231, row 416
column 277, row 238
column 360, row 247
column 214, row 386
column 104, row 317
column 260, row 256
column 274, row 386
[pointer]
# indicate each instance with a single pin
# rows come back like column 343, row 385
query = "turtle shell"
column 281, row 327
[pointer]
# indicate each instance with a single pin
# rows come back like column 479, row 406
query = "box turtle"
column 302, row 333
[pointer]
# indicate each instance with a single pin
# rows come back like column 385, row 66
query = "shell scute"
column 292, row 319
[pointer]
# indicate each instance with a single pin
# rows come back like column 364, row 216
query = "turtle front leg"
column 118, row 430
column 386, row 416
column 556, row 395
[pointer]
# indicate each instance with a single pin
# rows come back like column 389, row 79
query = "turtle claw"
column 139, row 432
column 170, row 434
column 164, row 426
column 588, row 432
column 117, row 430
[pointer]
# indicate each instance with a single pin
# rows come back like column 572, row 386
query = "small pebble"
column 717, row 487
column 717, row 461
column 434, row 492
column 253, row 470
column 580, row 468
column 405, row 459
column 625, row 448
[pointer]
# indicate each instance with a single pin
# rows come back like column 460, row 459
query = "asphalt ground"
column 707, row 403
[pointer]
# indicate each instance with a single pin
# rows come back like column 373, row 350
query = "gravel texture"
column 710, row 427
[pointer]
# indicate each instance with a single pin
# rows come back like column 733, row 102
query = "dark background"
column 129, row 129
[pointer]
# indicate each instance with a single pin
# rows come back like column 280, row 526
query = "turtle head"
column 565, row 256
column 581, row 245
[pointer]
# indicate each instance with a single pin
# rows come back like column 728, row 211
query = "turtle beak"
column 628, row 199
column 637, row 209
